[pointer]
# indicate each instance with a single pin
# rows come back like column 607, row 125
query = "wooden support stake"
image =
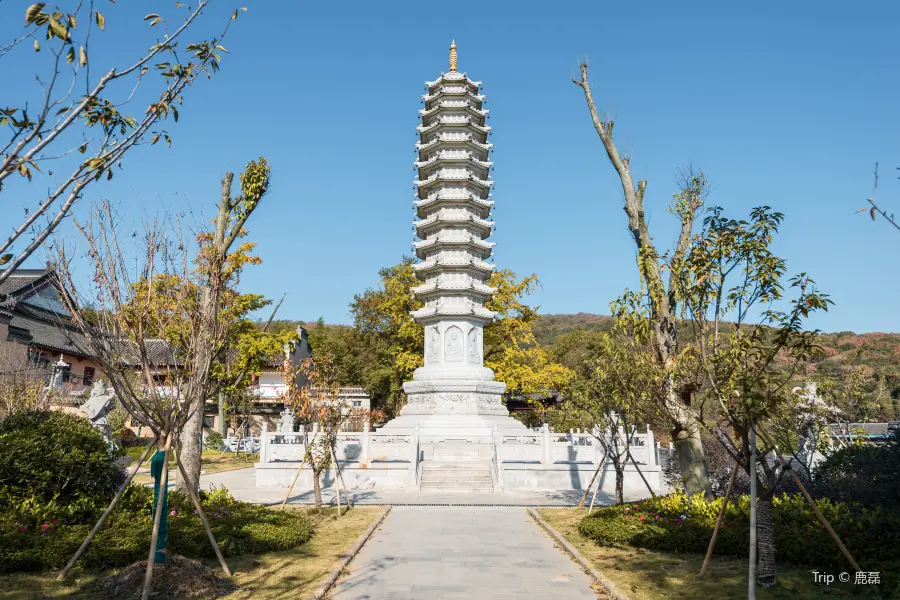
column 106, row 513
column 209, row 533
column 163, row 489
column 712, row 542
column 334, row 477
column 308, row 449
column 599, row 481
column 587, row 490
column 341, row 475
column 636, row 467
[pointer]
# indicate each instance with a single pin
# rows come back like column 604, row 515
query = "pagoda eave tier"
column 453, row 140
column 450, row 159
column 445, row 311
column 432, row 265
column 473, row 245
column 455, row 93
column 433, row 288
column 431, row 182
column 452, row 77
column 480, row 205
column 438, row 221
column 446, row 124
column 455, row 109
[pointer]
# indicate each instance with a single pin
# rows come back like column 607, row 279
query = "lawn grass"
column 655, row 575
column 290, row 574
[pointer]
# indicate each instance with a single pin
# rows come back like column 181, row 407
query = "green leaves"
column 58, row 29
column 101, row 20
column 33, row 12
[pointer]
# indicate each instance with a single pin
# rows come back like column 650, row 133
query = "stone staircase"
column 463, row 476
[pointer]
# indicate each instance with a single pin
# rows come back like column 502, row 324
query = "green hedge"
column 240, row 528
column 51, row 461
column 670, row 523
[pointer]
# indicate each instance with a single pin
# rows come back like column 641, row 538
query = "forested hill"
column 880, row 351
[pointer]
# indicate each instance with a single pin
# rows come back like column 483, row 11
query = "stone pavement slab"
column 242, row 485
column 456, row 553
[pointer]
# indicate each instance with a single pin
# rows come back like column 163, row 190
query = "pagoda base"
column 444, row 405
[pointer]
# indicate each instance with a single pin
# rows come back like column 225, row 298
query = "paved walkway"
column 459, row 553
column 242, row 485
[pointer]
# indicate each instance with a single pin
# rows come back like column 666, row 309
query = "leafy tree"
column 390, row 336
column 615, row 384
column 75, row 124
column 319, row 403
column 728, row 273
column 393, row 342
column 510, row 348
column 343, row 344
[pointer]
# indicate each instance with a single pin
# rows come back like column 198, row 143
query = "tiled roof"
column 159, row 352
column 20, row 280
column 49, row 333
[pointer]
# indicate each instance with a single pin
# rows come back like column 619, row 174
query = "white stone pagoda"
column 453, row 205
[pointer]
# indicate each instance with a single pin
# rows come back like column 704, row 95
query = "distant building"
column 269, row 388
column 37, row 332
column 871, row 432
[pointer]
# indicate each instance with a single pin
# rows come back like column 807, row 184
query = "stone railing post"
column 264, row 443
column 415, row 458
column 364, row 454
column 496, row 455
column 545, row 445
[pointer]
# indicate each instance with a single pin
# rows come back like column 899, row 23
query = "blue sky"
column 784, row 104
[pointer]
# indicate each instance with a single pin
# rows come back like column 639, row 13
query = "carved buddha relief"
column 474, row 346
column 453, row 350
column 434, row 345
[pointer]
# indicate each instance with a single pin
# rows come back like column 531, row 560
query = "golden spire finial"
column 453, row 56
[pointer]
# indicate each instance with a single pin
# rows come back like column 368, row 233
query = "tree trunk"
column 223, row 428
column 620, row 482
column 190, row 452
column 765, row 540
column 692, row 461
column 317, row 488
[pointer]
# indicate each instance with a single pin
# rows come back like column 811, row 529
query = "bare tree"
column 84, row 135
column 875, row 208
column 23, row 384
column 164, row 393
column 676, row 396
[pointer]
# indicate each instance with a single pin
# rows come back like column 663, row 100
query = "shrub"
column 240, row 528
column 866, row 474
column 671, row 523
column 214, row 441
column 55, row 459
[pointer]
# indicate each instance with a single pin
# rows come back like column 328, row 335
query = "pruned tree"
column 216, row 270
column 76, row 124
column 158, row 391
column 677, row 395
